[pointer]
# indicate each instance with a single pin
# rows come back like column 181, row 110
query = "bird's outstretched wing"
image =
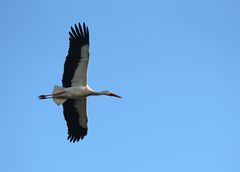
column 75, row 74
column 75, row 114
column 76, row 63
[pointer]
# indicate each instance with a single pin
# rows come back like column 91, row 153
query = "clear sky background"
column 176, row 64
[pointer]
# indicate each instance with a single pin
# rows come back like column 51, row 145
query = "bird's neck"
column 98, row 93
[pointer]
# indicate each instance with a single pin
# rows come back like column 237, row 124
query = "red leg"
column 49, row 96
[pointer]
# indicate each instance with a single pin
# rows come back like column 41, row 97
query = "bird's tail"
column 58, row 100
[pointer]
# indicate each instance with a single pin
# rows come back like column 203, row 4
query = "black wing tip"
column 75, row 137
column 79, row 32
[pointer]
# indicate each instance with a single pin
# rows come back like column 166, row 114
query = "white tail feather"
column 58, row 100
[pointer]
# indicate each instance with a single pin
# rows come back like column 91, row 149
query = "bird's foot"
column 42, row 97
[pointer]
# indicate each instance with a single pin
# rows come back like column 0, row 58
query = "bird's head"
column 109, row 93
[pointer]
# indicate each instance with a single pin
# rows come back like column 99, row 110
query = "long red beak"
column 114, row 95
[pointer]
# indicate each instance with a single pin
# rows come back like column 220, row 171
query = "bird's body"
column 74, row 91
column 77, row 92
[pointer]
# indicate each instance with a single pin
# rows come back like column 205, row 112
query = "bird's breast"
column 76, row 92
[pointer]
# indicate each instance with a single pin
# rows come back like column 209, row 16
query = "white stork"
column 74, row 91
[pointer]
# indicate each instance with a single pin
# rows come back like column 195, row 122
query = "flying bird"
column 73, row 93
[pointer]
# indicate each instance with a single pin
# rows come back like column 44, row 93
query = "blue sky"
column 176, row 64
